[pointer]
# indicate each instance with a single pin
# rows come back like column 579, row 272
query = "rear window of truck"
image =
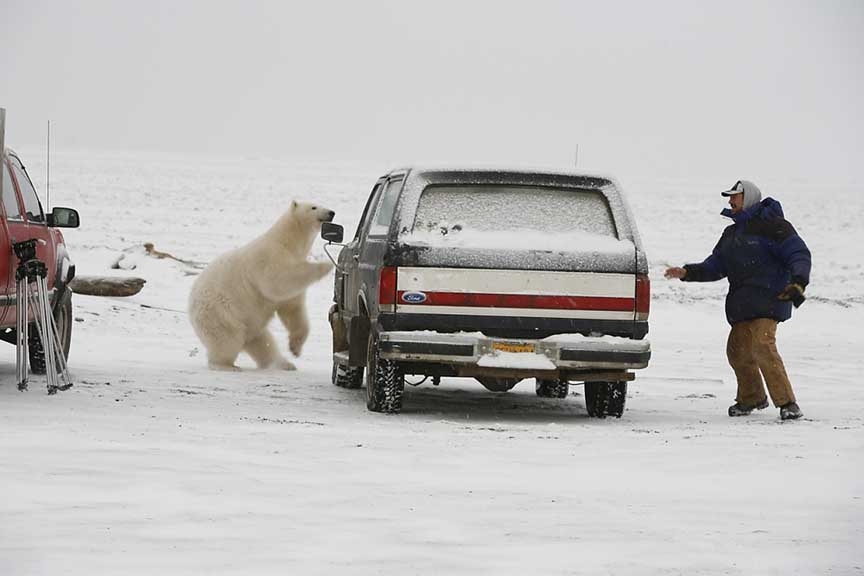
column 483, row 215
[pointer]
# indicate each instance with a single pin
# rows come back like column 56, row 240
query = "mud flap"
column 358, row 335
column 337, row 328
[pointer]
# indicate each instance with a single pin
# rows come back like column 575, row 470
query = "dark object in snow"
column 107, row 285
column 130, row 257
column 151, row 251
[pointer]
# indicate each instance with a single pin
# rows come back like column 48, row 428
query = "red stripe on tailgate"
column 523, row 301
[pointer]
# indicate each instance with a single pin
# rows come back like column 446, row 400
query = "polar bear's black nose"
column 330, row 215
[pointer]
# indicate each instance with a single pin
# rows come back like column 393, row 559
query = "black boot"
column 790, row 411
column 739, row 409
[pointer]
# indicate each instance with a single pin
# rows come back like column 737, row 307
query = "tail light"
column 387, row 287
column 643, row 297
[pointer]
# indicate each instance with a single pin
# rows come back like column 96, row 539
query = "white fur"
column 233, row 300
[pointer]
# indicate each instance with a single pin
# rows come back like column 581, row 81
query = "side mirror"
column 64, row 218
column 332, row 232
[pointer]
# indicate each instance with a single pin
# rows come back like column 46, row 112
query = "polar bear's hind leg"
column 264, row 352
column 222, row 355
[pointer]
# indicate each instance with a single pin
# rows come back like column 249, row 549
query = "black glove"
column 793, row 292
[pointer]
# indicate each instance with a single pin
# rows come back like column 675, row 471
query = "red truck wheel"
column 63, row 319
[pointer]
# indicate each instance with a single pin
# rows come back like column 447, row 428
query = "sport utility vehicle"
column 22, row 218
column 495, row 275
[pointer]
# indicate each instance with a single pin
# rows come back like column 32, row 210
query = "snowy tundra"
column 153, row 464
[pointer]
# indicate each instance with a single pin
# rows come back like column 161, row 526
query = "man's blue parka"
column 760, row 254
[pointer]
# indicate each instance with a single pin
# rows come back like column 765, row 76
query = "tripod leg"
column 21, row 326
column 46, row 335
column 62, row 367
column 35, row 305
column 59, row 372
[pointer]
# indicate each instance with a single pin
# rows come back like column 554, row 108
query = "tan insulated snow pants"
column 751, row 350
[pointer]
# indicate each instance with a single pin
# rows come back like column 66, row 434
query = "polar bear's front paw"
column 323, row 268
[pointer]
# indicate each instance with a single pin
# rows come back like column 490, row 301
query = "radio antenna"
column 48, row 172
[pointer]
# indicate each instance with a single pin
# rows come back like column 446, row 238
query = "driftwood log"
column 106, row 285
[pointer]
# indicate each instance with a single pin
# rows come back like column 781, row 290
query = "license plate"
column 512, row 347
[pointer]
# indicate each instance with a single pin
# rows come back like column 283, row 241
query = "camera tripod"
column 32, row 297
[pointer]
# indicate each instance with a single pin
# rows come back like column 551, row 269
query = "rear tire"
column 343, row 375
column 63, row 319
column 552, row 388
column 384, row 382
column 605, row 398
column 347, row 376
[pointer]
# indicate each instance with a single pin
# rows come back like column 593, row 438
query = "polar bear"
column 234, row 298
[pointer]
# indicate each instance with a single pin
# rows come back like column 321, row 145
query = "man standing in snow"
column 768, row 267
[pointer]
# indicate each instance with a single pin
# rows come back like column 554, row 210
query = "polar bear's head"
column 312, row 214
column 296, row 228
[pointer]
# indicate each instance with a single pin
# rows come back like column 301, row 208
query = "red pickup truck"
column 22, row 218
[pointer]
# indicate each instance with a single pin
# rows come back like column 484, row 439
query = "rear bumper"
column 530, row 327
column 475, row 352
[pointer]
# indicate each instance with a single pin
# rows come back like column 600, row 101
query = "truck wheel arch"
column 65, row 273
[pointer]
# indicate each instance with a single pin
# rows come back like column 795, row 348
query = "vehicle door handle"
column 356, row 257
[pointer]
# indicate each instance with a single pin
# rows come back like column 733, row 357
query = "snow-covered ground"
column 151, row 464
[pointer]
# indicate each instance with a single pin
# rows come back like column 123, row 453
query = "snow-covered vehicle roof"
column 516, row 218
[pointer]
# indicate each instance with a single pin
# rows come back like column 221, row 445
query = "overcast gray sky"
column 655, row 88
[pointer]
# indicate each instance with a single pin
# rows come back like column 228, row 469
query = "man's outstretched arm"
column 708, row 270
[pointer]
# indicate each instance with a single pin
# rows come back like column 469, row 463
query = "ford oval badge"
column 414, row 297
